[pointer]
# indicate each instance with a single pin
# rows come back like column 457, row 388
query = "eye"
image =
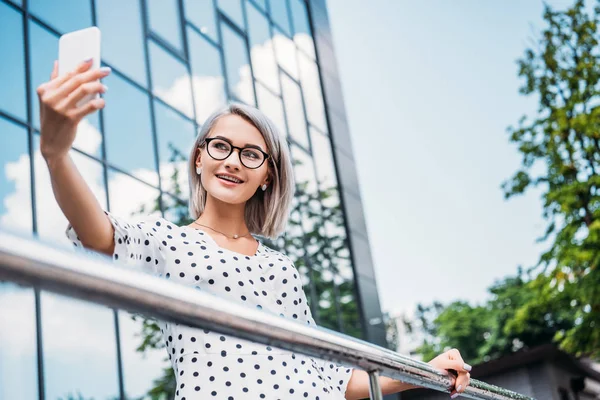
column 220, row 145
column 252, row 154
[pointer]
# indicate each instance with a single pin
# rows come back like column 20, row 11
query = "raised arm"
column 59, row 117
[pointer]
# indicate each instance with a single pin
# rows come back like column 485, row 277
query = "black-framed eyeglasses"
column 220, row 149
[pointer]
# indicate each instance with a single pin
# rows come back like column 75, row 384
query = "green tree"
column 560, row 147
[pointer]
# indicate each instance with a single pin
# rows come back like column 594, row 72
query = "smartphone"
column 76, row 47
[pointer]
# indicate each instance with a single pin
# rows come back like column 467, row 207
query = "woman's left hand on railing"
column 452, row 361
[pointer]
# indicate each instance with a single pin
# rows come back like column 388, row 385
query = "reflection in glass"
column 80, row 351
column 271, row 105
column 302, row 32
column 201, row 13
column 207, row 76
column 323, row 157
column 233, row 9
column 43, row 51
column 294, row 111
column 279, row 14
column 141, row 368
column 347, row 301
column 313, row 96
column 15, row 179
column 164, row 20
column 51, row 222
column 261, row 3
column 285, row 50
column 170, row 80
column 237, row 66
column 12, row 67
column 122, row 37
column 306, row 189
column 128, row 133
column 175, row 138
column 128, row 197
column 63, row 15
column 18, row 349
column 262, row 55
column 323, row 281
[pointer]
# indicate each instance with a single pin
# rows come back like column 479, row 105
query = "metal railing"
column 41, row 265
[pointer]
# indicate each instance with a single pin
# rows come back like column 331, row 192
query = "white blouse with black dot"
column 211, row 365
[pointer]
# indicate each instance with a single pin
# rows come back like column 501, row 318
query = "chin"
column 229, row 196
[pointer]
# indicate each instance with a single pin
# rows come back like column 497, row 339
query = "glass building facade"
column 174, row 62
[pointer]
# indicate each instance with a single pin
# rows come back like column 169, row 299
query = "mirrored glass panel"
column 80, row 349
column 18, row 347
column 128, row 132
column 122, row 37
column 280, row 16
column 313, row 96
column 207, row 76
column 175, row 139
column 164, row 20
column 144, row 364
column 51, row 222
column 262, row 4
column 327, row 311
column 15, row 179
column 130, row 197
column 285, row 51
column 348, row 303
column 202, row 14
column 170, row 80
column 233, row 10
column 326, row 176
column 262, row 55
column 237, row 66
column 272, row 106
column 302, row 33
column 63, row 15
column 12, row 67
column 294, row 111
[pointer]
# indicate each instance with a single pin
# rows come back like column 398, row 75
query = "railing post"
column 374, row 386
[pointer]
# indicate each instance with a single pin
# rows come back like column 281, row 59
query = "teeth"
column 229, row 178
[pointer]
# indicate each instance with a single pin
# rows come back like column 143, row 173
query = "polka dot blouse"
column 211, row 365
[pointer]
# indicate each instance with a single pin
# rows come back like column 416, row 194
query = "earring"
column 264, row 187
column 198, row 170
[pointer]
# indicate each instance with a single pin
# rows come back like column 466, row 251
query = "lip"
column 228, row 183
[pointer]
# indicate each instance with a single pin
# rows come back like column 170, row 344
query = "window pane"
column 302, row 32
column 80, row 352
column 294, row 110
column 51, row 222
column 164, row 20
column 122, row 37
column 15, row 181
column 237, row 66
column 129, row 197
column 201, row 13
column 262, row 55
column 175, row 139
column 233, row 9
column 207, row 76
column 12, row 67
column 285, row 50
column 279, row 14
column 18, row 349
column 313, row 96
column 262, row 4
column 64, row 15
column 128, row 133
column 170, row 80
column 348, row 302
column 323, row 157
column 323, row 281
column 140, row 368
column 271, row 105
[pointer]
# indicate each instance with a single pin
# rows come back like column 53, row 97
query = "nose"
column 233, row 161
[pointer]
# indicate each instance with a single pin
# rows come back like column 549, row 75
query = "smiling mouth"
column 229, row 179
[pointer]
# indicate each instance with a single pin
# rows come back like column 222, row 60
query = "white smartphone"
column 76, row 47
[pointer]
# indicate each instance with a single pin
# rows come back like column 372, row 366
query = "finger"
column 54, row 73
column 462, row 381
column 79, row 93
column 77, row 80
column 457, row 365
column 59, row 80
column 79, row 113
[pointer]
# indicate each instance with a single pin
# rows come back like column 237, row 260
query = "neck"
column 227, row 218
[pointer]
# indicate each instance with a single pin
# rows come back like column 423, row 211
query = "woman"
column 240, row 184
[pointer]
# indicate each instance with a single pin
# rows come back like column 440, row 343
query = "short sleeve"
column 293, row 297
column 137, row 243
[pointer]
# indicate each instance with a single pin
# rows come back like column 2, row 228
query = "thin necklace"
column 230, row 237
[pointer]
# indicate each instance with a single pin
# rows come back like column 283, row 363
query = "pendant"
column 235, row 236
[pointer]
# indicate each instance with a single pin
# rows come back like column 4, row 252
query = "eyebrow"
column 246, row 145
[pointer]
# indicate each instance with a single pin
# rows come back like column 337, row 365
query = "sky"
column 430, row 88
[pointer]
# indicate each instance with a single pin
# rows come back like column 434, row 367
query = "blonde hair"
column 266, row 212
